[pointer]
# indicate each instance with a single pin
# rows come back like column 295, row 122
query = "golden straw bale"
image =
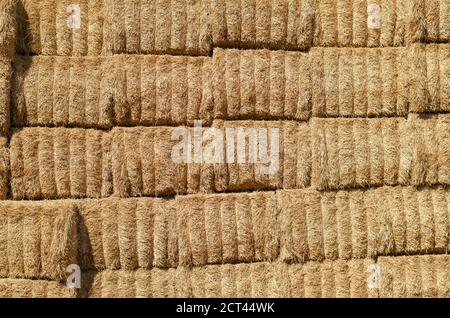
column 48, row 27
column 27, row 288
column 235, row 280
column 415, row 276
column 161, row 27
column 38, row 239
column 261, row 84
column 273, row 24
column 51, row 163
column 359, row 82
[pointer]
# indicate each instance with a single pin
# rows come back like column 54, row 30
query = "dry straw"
column 50, row 163
column 359, row 82
column 44, row 28
column 261, row 84
column 293, row 226
column 415, row 276
column 61, row 91
column 161, row 90
column 8, row 26
column 294, row 158
column 38, row 239
column 429, row 69
column 162, row 27
column 373, row 152
column 27, row 288
column 328, row 279
column 270, row 24
column 127, row 234
column 142, row 164
column 345, row 23
column 4, row 169
column 5, row 76
column 102, row 92
column 427, row 21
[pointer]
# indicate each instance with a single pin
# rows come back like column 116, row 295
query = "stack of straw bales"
column 95, row 97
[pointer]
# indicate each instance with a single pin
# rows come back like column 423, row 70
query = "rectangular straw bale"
column 322, row 225
column 127, row 234
column 355, row 152
column 359, row 23
column 160, row 27
column 235, row 280
column 61, row 91
column 359, row 82
column 43, row 27
column 5, row 93
column 8, row 29
column 374, row 152
column 261, row 84
column 227, row 228
column 51, row 163
column 428, row 21
column 415, row 276
column 27, row 288
column 425, row 151
column 143, row 162
column 317, row 226
column 38, row 239
column 286, row 166
column 161, row 90
column 405, row 220
column 4, row 169
column 429, row 69
column 273, row 24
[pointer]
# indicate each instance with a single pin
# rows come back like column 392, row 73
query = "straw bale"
column 127, row 234
column 429, row 69
column 27, row 288
column 51, row 163
column 273, row 24
column 294, row 156
column 359, row 82
column 427, row 21
column 346, row 23
column 415, row 276
column 161, row 90
column 261, row 84
column 161, row 27
column 142, row 164
column 61, row 91
column 43, row 28
column 8, row 29
column 235, row 280
column 374, row 152
column 38, row 239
